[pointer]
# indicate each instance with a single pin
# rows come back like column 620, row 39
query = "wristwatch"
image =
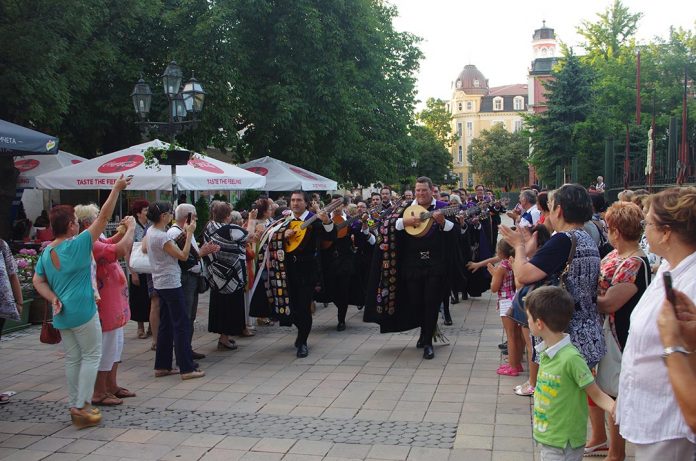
column 674, row 349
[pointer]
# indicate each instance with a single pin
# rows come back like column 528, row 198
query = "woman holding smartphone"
column 647, row 410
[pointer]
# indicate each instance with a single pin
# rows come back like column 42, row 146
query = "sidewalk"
column 359, row 395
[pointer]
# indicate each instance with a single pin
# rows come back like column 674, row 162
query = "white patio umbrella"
column 31, row 166
column 201, row 173
column 282, row 176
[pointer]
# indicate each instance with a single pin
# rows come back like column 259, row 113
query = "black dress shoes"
column 419, row 344
column 302, row 351
column 341, row 326
column 428, row 353
column 448, row 320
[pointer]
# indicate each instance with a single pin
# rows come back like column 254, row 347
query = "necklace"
column 630, row 254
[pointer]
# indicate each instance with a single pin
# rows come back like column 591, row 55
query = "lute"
column 300, row 227
column 426, row 217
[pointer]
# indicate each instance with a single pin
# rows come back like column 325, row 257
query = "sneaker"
column 506, row 370
column 525, row 390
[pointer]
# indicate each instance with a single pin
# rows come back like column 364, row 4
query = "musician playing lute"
column 294, row 274
column 413, row 270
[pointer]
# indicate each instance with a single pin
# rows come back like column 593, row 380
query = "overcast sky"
column 495, row 35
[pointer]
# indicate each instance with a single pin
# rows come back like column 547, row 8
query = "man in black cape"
column 410, row 275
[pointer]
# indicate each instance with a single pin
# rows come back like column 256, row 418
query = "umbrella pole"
column 173, row 185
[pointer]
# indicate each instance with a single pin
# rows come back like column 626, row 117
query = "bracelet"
column 672, row 350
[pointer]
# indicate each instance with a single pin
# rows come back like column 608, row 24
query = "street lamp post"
column 183, row 102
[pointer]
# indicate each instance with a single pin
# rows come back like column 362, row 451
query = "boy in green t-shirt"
column 564, row 380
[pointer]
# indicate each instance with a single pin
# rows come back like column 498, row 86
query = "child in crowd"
column 564, row 380
column 503, row 281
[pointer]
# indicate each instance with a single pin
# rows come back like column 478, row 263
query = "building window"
column 461, row 180
column 459, row 83
column 518, row 125
column 461, row 155
column 518, row 103
column 459, row 106
column 476, row 83
column 447, row 106
column 459, row 129
column 497, row 103
column 470, row 129
column 470, row 179
column 469, row 106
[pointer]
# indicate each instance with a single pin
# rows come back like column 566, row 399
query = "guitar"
column 300, row 227
column 422, row 228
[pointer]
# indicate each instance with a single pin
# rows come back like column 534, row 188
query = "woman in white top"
column 647, row 411
column 164, row 256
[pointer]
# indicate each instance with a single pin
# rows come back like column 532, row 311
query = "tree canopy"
column 499, row 157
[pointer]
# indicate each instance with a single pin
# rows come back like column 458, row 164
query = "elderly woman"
column 164, row 256
column 647, row 411
column 63, row 276
column 570, row 207
column 113, row 308
column 139, row 297
column 624, row 276
column 227, row 273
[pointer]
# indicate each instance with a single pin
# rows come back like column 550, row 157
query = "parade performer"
column 409, row 275
column 294, row 270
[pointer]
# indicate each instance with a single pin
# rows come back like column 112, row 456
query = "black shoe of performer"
column 428, row 353
column 302, row 351
column 341, row 326
column 448, row 321
column 454, row 300
column 360, row 308
column 419, row 344
column 502, row 345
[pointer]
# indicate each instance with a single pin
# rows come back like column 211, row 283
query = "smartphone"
column 130, row 176
column 669, row 291
column 188, row 218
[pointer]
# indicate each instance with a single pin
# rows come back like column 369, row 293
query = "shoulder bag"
column 139, row 261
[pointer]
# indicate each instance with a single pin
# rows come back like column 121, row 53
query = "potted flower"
column 26, row 261
column 172, row 155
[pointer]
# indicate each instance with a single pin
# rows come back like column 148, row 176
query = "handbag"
column 203, row 284
column 49, row 333
column 609, row 368
column 139, row 261
column 519, row 312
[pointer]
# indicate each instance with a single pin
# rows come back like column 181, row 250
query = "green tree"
column 499, row 157
column 427, row 157
column 555, row 133
column 614, row 29
column 436, row 117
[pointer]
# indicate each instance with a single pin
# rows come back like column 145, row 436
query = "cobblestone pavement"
column 359, row 395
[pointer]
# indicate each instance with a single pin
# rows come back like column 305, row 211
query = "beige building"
column 476, row 107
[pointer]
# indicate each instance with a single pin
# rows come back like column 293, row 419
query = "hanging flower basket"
column 155, row 156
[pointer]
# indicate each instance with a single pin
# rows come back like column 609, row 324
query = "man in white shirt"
column 531, row 214
column 189, row 276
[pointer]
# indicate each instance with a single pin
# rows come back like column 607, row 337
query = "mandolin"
column 300, row 227
column 426, row 217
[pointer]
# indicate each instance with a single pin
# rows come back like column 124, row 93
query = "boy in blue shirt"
column 564, row 380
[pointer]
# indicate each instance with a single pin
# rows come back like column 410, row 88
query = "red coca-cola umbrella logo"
column 258, row 170
column 303, row 173
column 117, row 165
column 26, row 164
column 205, row 166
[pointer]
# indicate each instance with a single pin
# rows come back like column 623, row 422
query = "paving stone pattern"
column 415, row 434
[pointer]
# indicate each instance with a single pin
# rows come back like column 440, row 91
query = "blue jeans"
column 83, row 346
column 174, row 328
